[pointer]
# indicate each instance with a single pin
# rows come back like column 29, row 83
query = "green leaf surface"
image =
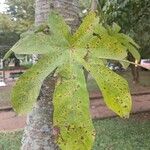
column 36, row 43
column 113, row 87
column 27, row 88
column 58, row 26
column 130, row 40
column 125, row 65
column 134, row 52
column 115, row 27
column 8, row 54
column 130, row 45
column 71, row 110
column 108, row 49
column 87, row 27
column 103, row 52
column 101, row 45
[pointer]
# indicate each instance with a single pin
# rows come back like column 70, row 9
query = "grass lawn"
column 112, row 134
column 10, row 141
column 118, row 134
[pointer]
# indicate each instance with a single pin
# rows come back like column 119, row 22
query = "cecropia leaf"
column 71, row 110
column 113, row 87
column 36, row 43
column 27, row 88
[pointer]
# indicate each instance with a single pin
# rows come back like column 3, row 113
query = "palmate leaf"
column 114, row 88
column 90, row 44
column 27, row 88
column 71, row 110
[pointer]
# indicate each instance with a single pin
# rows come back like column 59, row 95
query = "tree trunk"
column 69, row 9
column 94, row 5
column 38, row 132
column 134, row 70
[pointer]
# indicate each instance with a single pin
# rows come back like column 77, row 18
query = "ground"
column 112, row 134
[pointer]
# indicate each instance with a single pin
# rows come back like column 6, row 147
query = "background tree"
column 18, row 18
column 23, row 12
column 8, row 37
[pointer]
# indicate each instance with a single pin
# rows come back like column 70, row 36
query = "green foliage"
column 118, row 134
column 38, row 43
column 17, row 19
column 23, row 11
column 85, row 29
column 8, row 36
column 7, row 30
column 10, row 140
column 58, row 27
column 133, row 17
column 88, row 47
column 6, row 24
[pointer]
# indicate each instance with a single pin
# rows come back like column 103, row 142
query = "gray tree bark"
column 38, row 133
column 94, row 5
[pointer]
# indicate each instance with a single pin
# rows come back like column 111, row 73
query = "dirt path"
column 10, row 121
